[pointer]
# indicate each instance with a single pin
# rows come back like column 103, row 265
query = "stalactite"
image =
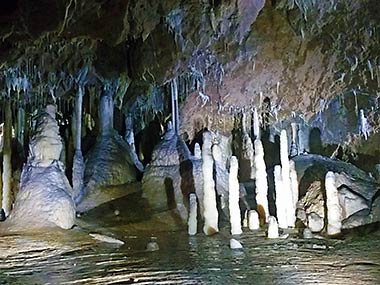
column 233, row 198
column 284, row 156
column 78, row 163
column 294, row 146
column 106, row 112
column 256, row 124
column 7, row 162
column 209, row 199
column 261, row 182
column 174, row 100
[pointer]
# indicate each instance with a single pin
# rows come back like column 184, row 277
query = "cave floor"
column 73, row 257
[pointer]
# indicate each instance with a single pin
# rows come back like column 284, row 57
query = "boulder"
column 358, row 192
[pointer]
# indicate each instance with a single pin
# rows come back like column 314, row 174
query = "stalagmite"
column 209, row 199
column 20, row 126
column 334, row 210
column 288, row 197
column 192, row 222
column 272, row 227
column 245, row 219
column 280, row 202
column 261, row 182
column 294, row 183
column 256, row 124
column 233, row 200
column 253, row 220
column 7, row 159
column 78, row 163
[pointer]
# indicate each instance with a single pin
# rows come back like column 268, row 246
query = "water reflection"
column 73, row 258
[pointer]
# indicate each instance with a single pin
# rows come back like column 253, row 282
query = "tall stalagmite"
column 233, row 200
column 209, row 198
column 261, row 182
column 285, row 168
column 7, row 159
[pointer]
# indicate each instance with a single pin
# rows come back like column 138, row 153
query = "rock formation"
column 45, row 195
column 209, row 198
column 261, row 182
column 334, row 210
column 233, row 201
column 280, row 199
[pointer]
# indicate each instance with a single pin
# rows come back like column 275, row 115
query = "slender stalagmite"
column 209, row 198
column 280, row 201
column 7, row 163
column 261, row 182
column 78, row 163
column 192, row 222
column 288, row 196
column 334, row 210
column 233, row 197
column 294, row 183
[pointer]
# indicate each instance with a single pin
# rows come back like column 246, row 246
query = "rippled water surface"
column 73, row 257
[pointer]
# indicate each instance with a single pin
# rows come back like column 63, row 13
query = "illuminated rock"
column 272, row 227
column 209, row 199
column 253, row 220
column 280, row 199
column 233, row 200
column 334, row 210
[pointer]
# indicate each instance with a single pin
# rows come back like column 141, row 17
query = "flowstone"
column 45, row 195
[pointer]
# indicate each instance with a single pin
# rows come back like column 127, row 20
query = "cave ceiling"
column 301, row 56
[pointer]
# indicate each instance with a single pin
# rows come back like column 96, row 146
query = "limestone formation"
column 110, row 162
column 311, row 208
column 45, row 195
column 293, row 183
column 209, row 199
column 261, row 182
column 334, row 210
column 192, row 222
column 233, row 201
column 285, row 171
column 272, row 227
column 165, row 176
column 253, row 220
column 280, row 199
column 235, row 244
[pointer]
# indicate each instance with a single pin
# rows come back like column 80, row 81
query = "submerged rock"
column 45, row 195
